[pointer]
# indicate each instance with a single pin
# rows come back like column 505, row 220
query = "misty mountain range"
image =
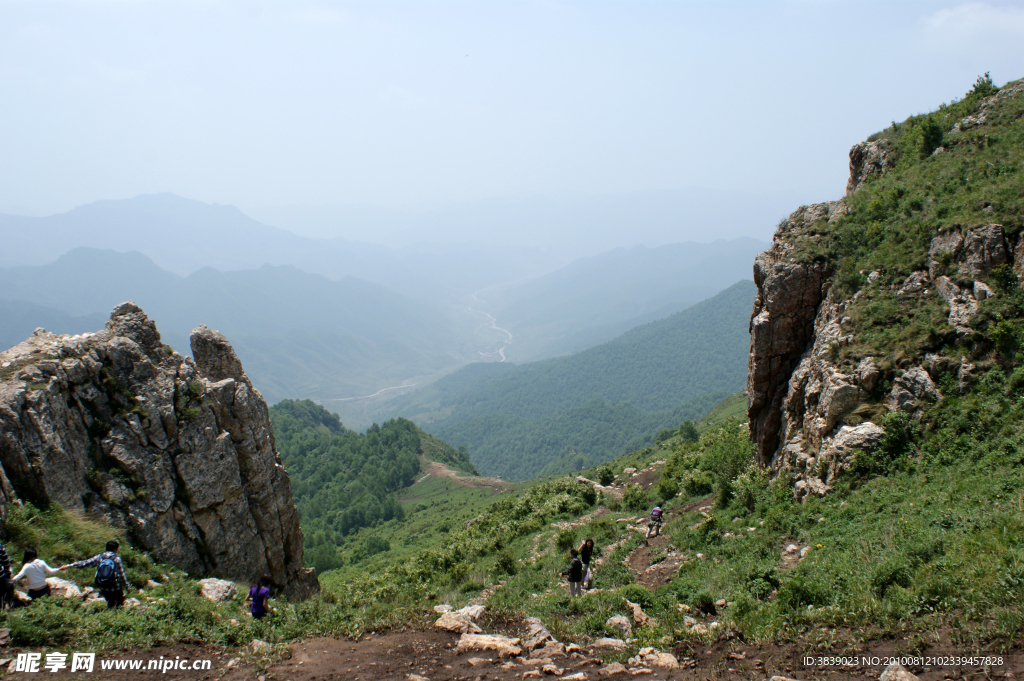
column 303, row 317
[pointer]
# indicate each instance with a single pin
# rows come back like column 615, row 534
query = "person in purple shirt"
column 259, row 594
column 110, row 578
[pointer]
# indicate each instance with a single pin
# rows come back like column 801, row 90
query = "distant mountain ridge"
column 183, row 235
column 300, row 334
column 516, row 419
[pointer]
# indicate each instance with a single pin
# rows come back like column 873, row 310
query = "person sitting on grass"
column 574, row 573
column 35, row 570
column 110, row 579
column 259, row 594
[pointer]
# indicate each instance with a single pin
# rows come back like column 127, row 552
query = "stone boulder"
column 914, row 385
column 217, row 590
column 200, row 484
column 458, row 623
column 621, row 623
column 505, row 646
column 963, row 306
column 62, row 588
column 837, row 456
column 612, row 643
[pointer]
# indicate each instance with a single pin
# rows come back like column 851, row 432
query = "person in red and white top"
column 35, row 570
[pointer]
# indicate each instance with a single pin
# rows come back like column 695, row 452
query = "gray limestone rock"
column 868, row 373
column 914, row 385
column 837, row 455
column 200, row 485
column 867, row 159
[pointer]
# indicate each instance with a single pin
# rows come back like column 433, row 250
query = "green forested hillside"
column 343, row 480
column 563, row 413
column 517, row 448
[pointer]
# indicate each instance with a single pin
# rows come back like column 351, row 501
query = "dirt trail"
column 439, row 470
column 394, row 655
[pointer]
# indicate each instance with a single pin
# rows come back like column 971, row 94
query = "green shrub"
column 698, row 483
column 931, row 137
column 605, row 475
column 505, row 564
column 667, row 489
column 638, row 594
column 761, row 582
column 634, row 498
column 800, row 592
column 892, row 572
column 566, row 539
column 688, row 431
column 704, row 602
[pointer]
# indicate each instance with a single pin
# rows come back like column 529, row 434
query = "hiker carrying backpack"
column 110, row 578
column 654, row 526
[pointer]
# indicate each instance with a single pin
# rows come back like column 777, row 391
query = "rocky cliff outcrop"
column 802, row 399
column 178, row 452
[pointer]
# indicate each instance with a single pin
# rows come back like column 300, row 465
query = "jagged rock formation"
column 178, row 452
column 801, row 399
column 867, row 159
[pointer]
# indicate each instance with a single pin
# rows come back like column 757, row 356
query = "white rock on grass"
column 621, row 623
column 218, row 590
column 442, row 609
column 458, row 623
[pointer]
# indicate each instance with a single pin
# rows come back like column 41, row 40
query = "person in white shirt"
column 35, row 571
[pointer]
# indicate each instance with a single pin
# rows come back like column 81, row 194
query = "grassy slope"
column 923, row 540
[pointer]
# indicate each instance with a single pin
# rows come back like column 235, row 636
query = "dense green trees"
column 342, row 480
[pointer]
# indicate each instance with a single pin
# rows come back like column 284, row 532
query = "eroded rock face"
column 782, row 324
column 867, row 159
column 180, row 453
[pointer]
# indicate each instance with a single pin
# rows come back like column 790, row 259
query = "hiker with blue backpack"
column 110, row 579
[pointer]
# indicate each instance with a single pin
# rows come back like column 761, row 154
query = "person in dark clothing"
column 110, row 577
column 259, row 594
column 6, row 585
column 574, row 573
column 586, row 553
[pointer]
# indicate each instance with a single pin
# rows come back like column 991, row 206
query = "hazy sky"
column 264, row 104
